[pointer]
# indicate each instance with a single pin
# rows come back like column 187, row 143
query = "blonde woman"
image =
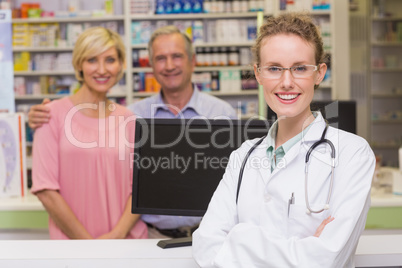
column 81, row 167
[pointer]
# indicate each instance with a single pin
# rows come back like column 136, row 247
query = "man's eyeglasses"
column 299, row 71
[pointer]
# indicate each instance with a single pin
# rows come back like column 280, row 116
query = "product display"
column 222, row 33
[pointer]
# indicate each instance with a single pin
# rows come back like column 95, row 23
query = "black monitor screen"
column 179, row 163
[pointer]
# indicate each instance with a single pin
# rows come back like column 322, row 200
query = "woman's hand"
column 322, row 225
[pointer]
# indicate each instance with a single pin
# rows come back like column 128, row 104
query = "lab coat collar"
column 322, row 152
column 309, row 138
column 314, row 133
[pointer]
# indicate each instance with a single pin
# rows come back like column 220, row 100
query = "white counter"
column 372, row 251
column 379, row 198
column 27, row 203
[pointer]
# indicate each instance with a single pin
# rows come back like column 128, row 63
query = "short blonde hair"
column 93, row 42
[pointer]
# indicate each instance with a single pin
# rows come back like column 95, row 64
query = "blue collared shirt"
column 200, row 105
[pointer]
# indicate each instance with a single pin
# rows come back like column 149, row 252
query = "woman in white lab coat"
column 269, row 225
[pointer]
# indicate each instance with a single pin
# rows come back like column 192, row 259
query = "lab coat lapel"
column 313, row 135
column 265, row 165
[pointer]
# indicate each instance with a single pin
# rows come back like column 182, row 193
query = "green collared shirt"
column 275, row 157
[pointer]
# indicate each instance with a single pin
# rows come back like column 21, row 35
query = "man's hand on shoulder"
column 39, row 114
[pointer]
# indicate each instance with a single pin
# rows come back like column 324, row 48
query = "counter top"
column 372, row 251
column 27, row 203
column 380, row 198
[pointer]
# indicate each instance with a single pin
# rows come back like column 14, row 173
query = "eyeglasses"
column 299, row 71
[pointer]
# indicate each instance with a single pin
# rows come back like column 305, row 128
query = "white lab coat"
column 259, row 232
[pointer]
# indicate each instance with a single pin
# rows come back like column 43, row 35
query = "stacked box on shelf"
column 22, row 61
column 141, row 32
column 203, row 81
column 35, row 35
column 39, row 37
column 21, row 36
column 73, row 31
column 49, row 84
column 19, row 86
column 64, row 62
column 142, row 7
column 230, row 81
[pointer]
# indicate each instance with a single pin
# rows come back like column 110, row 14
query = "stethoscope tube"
column 309, row 210
column 322, row 140
column 243, row 165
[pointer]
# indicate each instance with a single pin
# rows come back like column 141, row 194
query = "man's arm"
column 62, row 215
column 38, row 115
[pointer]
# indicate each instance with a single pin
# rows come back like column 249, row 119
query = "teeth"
column 102, row 79
column 287, row 96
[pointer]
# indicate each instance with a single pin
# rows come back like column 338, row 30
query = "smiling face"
column 171, row 64
column 101, row 72
column 288, row 96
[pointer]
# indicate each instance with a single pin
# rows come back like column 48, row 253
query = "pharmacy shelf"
column 386, row 70
column 386, row 44
column 38, row 73
column 384, row 146
column 59, row 96
column 387, row 121
column 193, row 16
column 40, row 97
column 325, row 85
column 382, row 80
column 227, row 44
column 386, row 95
column 28, row 203
column 70, row 19
column 248, row 92
column 42, row 49
column 386, row 19
column 313, row 12
column 200, row 69
column 321, row 12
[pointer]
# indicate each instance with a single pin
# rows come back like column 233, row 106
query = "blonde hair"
column 168, row 30
column 93, row 42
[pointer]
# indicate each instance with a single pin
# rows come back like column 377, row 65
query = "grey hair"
column 168, row 30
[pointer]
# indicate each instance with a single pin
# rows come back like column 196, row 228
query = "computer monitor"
column 339, row 114
column 179, row 163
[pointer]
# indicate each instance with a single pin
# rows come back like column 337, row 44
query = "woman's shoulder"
column 350, row 142
column 60, row 106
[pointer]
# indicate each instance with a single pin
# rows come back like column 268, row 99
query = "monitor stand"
column 176, row 242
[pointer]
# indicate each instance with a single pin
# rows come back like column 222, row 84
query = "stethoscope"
column 321, row 141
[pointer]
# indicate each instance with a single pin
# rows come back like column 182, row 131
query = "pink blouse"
column 88, row 161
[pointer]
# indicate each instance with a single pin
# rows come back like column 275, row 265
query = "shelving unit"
column 385, row 90
column 336, row 88
column 127, row 18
